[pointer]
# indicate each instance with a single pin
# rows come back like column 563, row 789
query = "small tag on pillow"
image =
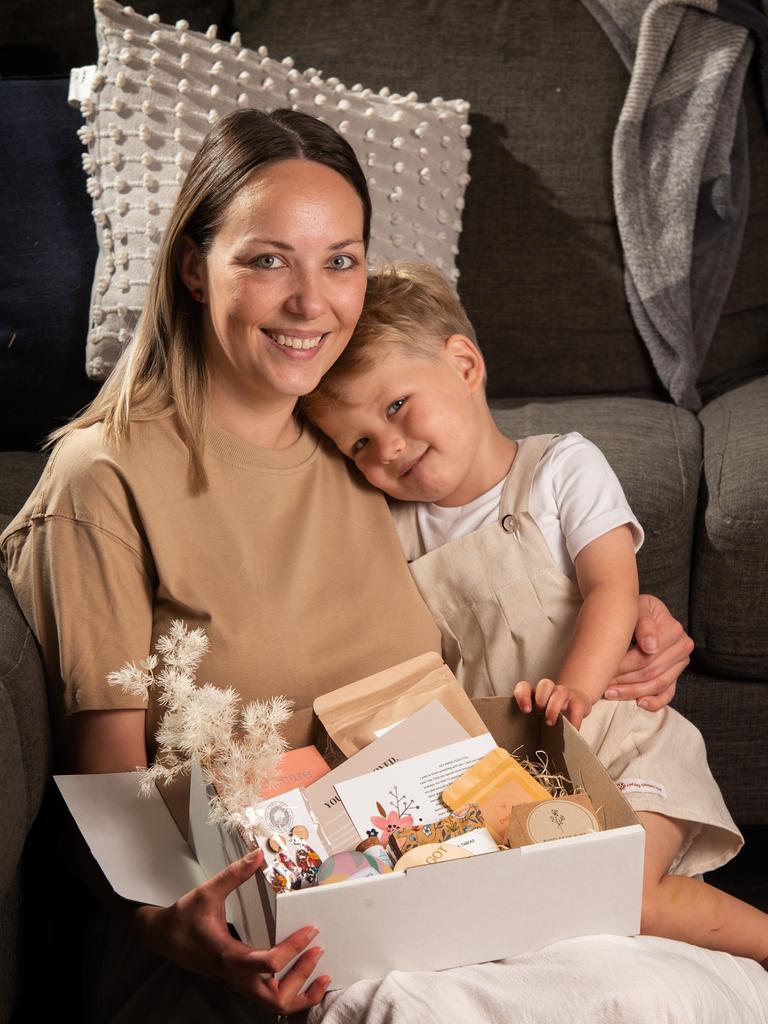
column 80, row 84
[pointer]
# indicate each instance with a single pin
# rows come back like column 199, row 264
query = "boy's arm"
column 607, row 576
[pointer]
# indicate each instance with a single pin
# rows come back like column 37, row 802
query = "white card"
column 407, row 794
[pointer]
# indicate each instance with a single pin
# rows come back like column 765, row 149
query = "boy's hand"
column 553, row 699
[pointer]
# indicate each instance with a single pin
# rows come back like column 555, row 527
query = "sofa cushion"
column 10, row 918
column 729, row 714
column 729, row 606
column 539, row 255
column 46, row 261
column 655, row 450
column 19, row 472
column 25, row 745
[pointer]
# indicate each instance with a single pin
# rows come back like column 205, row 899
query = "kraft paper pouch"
column 558, row 818
column 357, row 714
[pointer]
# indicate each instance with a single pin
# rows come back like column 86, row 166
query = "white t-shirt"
column 575, row 498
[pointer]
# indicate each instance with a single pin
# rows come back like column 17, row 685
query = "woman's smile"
column 296, row 345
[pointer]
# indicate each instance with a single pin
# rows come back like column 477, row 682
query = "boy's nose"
column 391, row 448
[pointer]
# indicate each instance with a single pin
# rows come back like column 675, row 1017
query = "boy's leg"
column 677, row 907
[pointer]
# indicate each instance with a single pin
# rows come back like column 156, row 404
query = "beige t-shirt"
column 289, row 560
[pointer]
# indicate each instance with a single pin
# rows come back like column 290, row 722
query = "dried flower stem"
column 238, row 746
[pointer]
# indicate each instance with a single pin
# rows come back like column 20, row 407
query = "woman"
column 189, row 489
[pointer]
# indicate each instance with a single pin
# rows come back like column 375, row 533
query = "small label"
column 559, row 819
column 642, row 786
column 279, row 816
column 80, row 84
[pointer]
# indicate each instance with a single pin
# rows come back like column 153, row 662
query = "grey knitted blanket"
column 680, row 172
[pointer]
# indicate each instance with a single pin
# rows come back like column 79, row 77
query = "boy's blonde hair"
column 409, row 308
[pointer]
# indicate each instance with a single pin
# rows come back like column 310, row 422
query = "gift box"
column 484, row 907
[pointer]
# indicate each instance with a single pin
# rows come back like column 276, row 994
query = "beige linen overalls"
column 506, row 612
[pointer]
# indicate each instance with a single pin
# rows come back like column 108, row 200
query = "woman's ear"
column 466, row 358
column 191, row 267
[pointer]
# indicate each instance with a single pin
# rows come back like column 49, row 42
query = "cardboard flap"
column 215, row 849
column 566, row 750
column 135, row 841
column 585, row 770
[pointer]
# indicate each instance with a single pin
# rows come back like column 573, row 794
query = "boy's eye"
column 395, row 406
column 342, row 262
column 359, row 445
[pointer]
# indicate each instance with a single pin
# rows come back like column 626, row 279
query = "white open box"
column 466, row 911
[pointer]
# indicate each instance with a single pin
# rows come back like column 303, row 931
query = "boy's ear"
column 191, row 265
column 465, row 356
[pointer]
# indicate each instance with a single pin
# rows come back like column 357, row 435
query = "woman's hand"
column 649, row 671
column 193, row 933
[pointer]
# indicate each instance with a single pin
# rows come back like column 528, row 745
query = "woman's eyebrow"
column 271, row 242
column 345, row 243
column 275, row 244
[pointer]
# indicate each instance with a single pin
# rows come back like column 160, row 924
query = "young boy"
column 525, row 553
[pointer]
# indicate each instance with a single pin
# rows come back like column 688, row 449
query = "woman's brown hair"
column 164, row 365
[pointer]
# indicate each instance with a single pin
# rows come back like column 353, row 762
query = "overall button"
column 510, row 524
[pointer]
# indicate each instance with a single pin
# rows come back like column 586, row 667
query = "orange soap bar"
column 498, row 768
column 300, row 767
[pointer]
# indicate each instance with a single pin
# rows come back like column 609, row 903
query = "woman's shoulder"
column 87, row 471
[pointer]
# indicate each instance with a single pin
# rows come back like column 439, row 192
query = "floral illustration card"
column 407, row 794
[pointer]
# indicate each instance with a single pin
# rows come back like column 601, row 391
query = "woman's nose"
column 307, row 298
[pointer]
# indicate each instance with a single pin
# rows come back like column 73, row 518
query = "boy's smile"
column 416, row 427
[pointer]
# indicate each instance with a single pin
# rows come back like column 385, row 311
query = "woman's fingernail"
column 643, row 704
column 611, row 693
column 311, row 933
column 650, row 643
column 253, row 854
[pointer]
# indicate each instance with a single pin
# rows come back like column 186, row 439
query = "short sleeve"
column 83, row 576
column 576, row 485
column 88, row 600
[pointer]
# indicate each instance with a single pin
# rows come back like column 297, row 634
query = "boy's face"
column 412, row 425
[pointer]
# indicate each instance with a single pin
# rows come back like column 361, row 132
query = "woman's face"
column 282, row 285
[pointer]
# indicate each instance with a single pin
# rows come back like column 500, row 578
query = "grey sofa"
column 541, row 276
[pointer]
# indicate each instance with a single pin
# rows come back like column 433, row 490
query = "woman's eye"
column 395, row 406
column 267, row 262
column 359, row 445
column 342, row 262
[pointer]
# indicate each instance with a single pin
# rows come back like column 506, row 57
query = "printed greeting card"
column 407, row 794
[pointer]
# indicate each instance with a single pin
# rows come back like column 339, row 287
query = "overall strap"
column 404, row 515
column 517, row 489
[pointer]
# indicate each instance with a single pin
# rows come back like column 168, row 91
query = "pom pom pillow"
column 153, row 96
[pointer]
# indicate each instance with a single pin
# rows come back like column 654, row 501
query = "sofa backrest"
column 540, row 259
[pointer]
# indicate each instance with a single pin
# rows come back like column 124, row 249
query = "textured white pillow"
column 154, row 94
